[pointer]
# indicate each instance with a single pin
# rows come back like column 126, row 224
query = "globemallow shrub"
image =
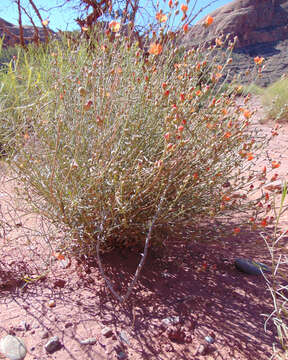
column 124, row 139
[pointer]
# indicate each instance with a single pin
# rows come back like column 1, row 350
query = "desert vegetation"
column 119, row 146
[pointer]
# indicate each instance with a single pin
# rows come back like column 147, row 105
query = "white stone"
column 13, row 347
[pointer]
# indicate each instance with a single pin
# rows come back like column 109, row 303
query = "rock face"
column 12, row 32
column 253, row 21
column 261, row 27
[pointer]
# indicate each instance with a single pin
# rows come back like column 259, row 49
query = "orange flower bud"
column 209, row 20
column 185, row 28
column 184, row 8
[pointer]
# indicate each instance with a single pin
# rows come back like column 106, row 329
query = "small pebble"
column 89, row 341
column 172, row 320
column 44, row 334
column 210, row 339
column 124, row 337
column 53, row 345
column 107, row 331
column 201, row 349
column 23, row 326
column 250, row 267
column 68, row 324
column 65, row 263
column 51, row 303
column 121, row 355
column 60, row 283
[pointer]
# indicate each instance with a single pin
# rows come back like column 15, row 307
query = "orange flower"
column 59, row 256
column 218, row 42
column 275, row 164
column 199, row 93
column 84, row 28
column 247, row 114
column 170, row 4
column 264, row 223
column 162, row 18
column 159, row 163
column 26, row 136
column 114, row 26
column 184, row 8
column 185, row 28
column 155, row 49
column 226, row 198
column 258, row 60
column 209, row 20
column 180, row 128
column 88, row 105
column 45, row 22
column 228, row 135
column 250, row 156
column 167, row 136
column 236, row 231
column 218, row 76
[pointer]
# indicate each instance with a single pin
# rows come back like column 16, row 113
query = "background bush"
column 275, row 99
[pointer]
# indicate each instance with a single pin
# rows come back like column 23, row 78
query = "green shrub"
column 275, row 99
column 277, row 282
column 104, row 138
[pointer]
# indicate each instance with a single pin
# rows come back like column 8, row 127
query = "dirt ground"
column 194, row 287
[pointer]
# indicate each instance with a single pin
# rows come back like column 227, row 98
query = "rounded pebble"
column 13, row 347
column 250, row 267
column 90, row 341
column 51, row 303
column 210, row 339
column 53, row 345
column 107, row 331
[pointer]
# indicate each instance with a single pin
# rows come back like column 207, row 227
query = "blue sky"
column 64, row 19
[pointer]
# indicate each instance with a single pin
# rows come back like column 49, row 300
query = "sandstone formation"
column 11, row 33
column 261, row 27
column 253, row 21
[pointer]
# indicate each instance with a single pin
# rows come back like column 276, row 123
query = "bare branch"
column 37, row 12
column 21, row 33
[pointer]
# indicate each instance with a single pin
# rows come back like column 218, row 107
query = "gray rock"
column 172, row 320
column 65, row 263
column 89, row 341
column 122, row 355
column 209, row 339
column 124, row 337
column 24, row 326
column 13, row 347
column 53, row 345
column 68, row 324
column 44, row 334
column 202, row 349
column 250, row 267
column 107, row 331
